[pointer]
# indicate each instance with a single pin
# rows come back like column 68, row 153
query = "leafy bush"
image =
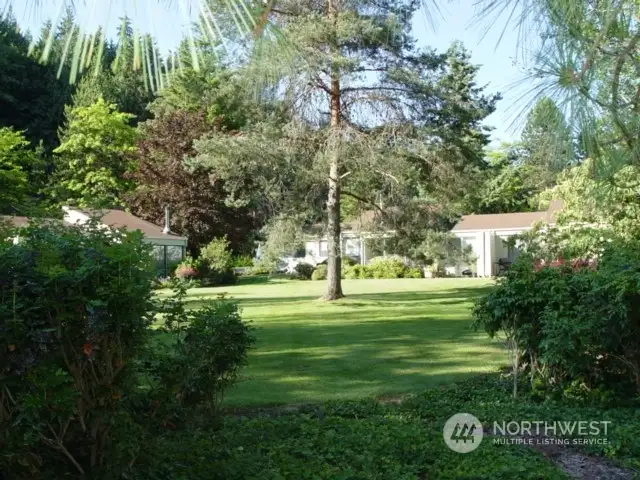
column 241, row 261
column 349, row 273
column 211, row 345
column 355, row 272
column 161, row 283
column 75, row 306
column 348, row 261
column 212, row 350
column 169, row 282
column 217, row 255
column 392, row 266
column 188, row 269
column 216, row 263
column 571, row 321
column 259, row 269
column 414, row 273
column 304, row 271
column 320, row 273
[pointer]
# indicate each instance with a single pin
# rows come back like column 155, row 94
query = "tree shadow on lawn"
column 365, row 345
column 316, row 361
column 441, row 297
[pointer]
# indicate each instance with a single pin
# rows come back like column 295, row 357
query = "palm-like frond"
column 250, row 19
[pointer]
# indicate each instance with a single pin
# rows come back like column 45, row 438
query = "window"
column 158, row 256
column 174, row 256
column 512, row 253
column 324, row 249
column 167, row 257
column 466, row 243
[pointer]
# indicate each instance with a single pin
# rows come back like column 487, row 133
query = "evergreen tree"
column 547, row 142
column 377, row 114
column 116, row 80
column 31, row 98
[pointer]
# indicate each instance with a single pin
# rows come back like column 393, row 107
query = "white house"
column 488, row 235
column 360, row 239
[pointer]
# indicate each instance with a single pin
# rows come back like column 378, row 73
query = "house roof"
column 508, row 221
column 21, row 222
column 499, row 221
column 122, row 219
column 16, row 221
column 111, row 218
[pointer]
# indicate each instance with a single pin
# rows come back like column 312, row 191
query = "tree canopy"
column 95, row 153
column 373, row 117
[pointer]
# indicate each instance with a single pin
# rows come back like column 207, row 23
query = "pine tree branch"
column 362, row 199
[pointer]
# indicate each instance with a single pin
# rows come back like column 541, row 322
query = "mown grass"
column 386, row 337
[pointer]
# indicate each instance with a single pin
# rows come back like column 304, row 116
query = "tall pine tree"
column 547, row 142
column 383, row 114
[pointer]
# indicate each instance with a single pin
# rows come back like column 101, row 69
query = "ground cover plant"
column 369, row 439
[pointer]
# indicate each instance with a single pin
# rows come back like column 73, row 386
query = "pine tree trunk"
column 334, row 282
column 334, row 268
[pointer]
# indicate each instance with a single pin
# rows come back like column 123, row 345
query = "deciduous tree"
column 95, row 153
column 196, row 196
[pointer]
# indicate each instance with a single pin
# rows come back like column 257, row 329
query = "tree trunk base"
column 329, row 298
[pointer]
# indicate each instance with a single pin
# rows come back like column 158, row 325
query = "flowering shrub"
column 186, row 271
column 571, row 321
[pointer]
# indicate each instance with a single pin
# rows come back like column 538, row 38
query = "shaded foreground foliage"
column 76, row 381
column 373, row 440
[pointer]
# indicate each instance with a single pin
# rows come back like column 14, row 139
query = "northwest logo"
column 462, row 433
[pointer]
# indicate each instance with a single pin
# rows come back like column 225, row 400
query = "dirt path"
column 573, row 462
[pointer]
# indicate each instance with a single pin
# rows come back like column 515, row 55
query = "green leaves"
column 94, row 156
column 571, row 320
column 210, row 348
column 75, row 305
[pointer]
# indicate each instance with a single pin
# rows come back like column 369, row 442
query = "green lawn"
column 386, row 337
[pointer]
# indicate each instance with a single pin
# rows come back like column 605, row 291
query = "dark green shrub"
column 571, row 321
column 214, row 347
column 211, row 345
column 392, row 266
column 320, row 273
column 304, row 271
column 75, row 306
